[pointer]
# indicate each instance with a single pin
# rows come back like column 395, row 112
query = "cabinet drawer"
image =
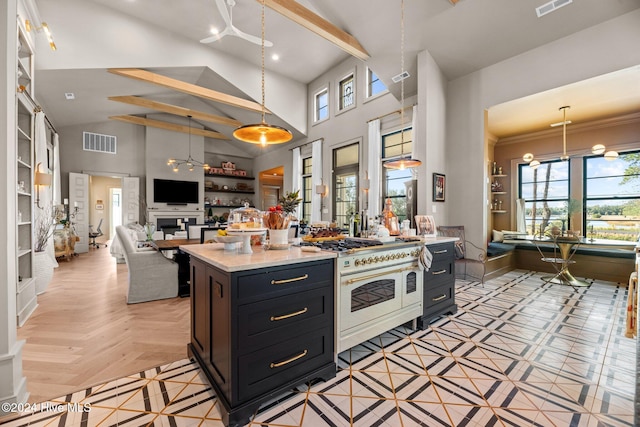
column 438, row 296
column 264, row 370
column 440, row 272
column 441, row 252
column 283, row 280
column 263, row 323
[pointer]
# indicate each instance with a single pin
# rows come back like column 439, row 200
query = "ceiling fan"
column 230, row 30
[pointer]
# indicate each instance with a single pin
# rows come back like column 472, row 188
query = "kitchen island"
column 261, row 323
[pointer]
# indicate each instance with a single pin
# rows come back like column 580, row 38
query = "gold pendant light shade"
column 263, row 134
column 403, row 163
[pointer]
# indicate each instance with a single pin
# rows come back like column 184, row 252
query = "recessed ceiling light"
column 214, row 31
column 69, row 95
column 275, row 57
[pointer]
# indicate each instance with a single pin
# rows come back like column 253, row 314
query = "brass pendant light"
column 402, row 162
column 263, row 133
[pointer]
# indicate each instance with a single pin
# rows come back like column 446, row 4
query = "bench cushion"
column 496, row 249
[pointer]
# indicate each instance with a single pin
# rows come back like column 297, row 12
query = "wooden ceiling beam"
column 175, row 109
column 142, row 121
column 188, row 88
column 317, row 24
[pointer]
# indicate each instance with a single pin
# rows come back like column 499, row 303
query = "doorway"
column 115, row 210
column 271, row 187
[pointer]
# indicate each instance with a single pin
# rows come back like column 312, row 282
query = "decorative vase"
column 149, row 229
column 278, row 236
column 42, row 270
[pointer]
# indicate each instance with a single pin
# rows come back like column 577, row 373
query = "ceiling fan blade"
column 214, row 38
column 224, row 12
column 249, row 37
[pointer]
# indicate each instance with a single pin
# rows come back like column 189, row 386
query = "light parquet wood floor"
column 84, row 333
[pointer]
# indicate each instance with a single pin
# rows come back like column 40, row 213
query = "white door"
column 115, row 210
column 131, row 200
column 79, row 198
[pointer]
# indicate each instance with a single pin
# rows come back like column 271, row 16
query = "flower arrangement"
column 276, row 218
column 44, row 226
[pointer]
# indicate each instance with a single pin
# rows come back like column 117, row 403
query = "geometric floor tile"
column 517, row 353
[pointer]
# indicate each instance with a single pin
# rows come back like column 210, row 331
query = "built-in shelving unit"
column 26, row 300
column 497, row 197
column 225, row 187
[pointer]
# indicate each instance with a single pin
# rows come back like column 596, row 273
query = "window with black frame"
column 612, row 197
column 545, row 191
column 307, row 190
column 345, row 183
column 394, row 179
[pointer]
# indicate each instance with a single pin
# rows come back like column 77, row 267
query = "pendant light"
column 402, row 162
column 597, row 149
column 190, row 162
column 263, row 133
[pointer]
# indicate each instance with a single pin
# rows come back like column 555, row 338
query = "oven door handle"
column 385, row 273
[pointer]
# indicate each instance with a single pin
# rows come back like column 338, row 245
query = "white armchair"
column 152, row 276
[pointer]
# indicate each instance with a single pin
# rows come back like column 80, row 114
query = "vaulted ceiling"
column 162, row 36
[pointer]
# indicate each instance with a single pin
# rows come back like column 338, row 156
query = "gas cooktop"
column 351, row 244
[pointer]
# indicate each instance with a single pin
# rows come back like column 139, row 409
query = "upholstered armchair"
column 469, row 265
column 64, row 242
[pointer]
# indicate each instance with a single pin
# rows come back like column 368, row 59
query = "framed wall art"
column 438, row 187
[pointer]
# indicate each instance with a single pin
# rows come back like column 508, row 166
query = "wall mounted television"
column 174, row 192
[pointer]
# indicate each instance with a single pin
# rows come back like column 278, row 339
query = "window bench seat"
column 602, row 263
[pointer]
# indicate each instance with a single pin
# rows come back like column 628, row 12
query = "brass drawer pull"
column 441, row 297
column 435, row 273
column 295, row 279
column 443, row 251
column 286, row 316
column 285, row 362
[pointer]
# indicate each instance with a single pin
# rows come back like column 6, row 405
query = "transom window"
column 545, row 191
column 374, row 84
column 321, row 105
column 394, row 187
column 612, row 197
column 347, row 90
column 307, row 189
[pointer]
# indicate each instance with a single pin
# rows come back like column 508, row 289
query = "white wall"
column 602, row 49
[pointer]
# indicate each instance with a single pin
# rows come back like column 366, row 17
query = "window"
column 394, row 179
column 321, row 105
column 545, row 191
column 612, row 197
column 345, row 183
column 307, row 189
column 347, row 90
column 374, row 84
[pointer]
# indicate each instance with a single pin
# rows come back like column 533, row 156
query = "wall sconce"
column 322, row 190
column 40, row 179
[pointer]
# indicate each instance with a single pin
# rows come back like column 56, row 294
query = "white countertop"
column 230, row 261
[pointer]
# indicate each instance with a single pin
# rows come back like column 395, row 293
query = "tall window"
column 612, row 197
column 545, row 191
column 394, row 179
column 321, row 105
column 374, row 84
column 345, row 183
column 347, row 89
column 307, row 189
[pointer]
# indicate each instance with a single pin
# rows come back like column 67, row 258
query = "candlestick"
column 66, row 201
column 75, row 204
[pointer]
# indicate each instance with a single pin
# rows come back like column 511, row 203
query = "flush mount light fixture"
column 263, row 133
column 189, row 162
column 403, row 162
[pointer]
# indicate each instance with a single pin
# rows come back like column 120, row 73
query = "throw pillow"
column 497, row 236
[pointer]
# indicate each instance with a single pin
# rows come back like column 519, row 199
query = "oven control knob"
column 378, row 259
column 369, row 260
column 386, row 257
column 358, row 263
column 395, row 256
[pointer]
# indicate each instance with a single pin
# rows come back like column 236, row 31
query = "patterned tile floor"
column 517, row 353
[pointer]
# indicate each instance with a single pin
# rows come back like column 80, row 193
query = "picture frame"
column 439, row 182
column 425, row 226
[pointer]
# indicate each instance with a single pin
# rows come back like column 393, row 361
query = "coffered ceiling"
column 95, row 35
